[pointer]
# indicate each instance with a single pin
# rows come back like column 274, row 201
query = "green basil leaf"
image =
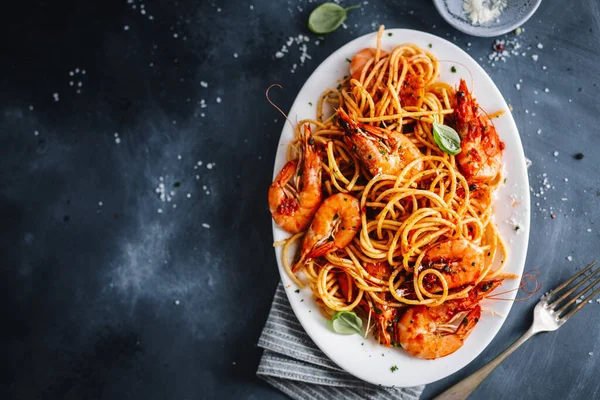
column 347, row 323
column 327, row 18
column 446, row 138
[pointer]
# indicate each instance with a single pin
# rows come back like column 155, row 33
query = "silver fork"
column 553, row 310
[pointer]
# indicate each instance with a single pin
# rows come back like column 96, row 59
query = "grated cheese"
column 482, row 11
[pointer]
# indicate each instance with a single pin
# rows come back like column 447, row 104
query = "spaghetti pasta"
column 426, row 235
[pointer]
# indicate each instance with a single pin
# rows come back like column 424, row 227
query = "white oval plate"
column 371, row 362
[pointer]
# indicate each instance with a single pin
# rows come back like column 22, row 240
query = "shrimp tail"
column 321, row 250
column 469, row 322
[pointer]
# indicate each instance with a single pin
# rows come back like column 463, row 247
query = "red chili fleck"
column 288, row 206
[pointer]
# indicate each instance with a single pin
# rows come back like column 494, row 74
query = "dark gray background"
column 89, row 293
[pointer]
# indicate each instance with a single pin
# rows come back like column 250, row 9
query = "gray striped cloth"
column 292, row 363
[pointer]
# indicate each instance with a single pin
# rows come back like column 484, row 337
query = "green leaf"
column 347, row 323
column 446, row 138
column 327, row 17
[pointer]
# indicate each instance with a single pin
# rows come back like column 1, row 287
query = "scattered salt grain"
column 555, row 154
column 528, row 162
column 589, row 229
column 566, row 179
column 100, row 204
column 205, row 225
column 591, row 353
column 204, row 84
column 179, row 157
column 540, row 46
column 539, row 131
column 175, row 35
column 117, row 140
column 188, row 195
column 534, row 57
column 55, row 96
column 210, row 165
column 218, row 99
column 35, row 133
column 126, row 28
column 251, row 7
column 30, row 108
column 569, row 258
column 518, row 86
column 546, row 90
column 160, row 211
column 176, row 302
column 235, row 55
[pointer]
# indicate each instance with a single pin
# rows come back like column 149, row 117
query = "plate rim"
column 524, row 179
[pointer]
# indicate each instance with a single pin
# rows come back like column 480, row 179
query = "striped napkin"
column 292, row 363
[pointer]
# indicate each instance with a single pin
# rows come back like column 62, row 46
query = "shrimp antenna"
column 274, row 105
column 525, row 279
column 465, row 67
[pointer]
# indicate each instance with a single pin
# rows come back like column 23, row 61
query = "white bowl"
column 515, row 14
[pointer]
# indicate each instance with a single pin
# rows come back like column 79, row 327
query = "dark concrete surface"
column 104, row 297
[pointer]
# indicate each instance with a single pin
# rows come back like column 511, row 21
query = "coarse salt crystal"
column 179, row 157
column 35, row 133
column 126, row 28
column 546, row 90
column 540, row 46
column 100, row 203
column 534, row 57
column 235, row 55
column 203, row 84
column 518, row 86
column 205, row 225
column 539, row 131
column 218, row 99
column 160, row 211
column 569, row 258
column 176, row 302
column 189, row 195
column 589, row 229
column 555, row 154
column 209, row 165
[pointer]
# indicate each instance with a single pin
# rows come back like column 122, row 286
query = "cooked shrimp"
column 294, row 204
column 380, row 270
column 433, row 332
column 380, row 151
column 481, row 156
column 459, row 260
column 361, row 58
column 334, row 226
column 385, row 317
column 412, row 91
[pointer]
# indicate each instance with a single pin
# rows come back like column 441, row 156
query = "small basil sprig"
column 446, row 138
column 327, row 17
column 346, row 323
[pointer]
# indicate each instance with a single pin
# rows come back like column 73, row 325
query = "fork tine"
column 584, row 291
column 583, row 303
column 574, row 288
column 568, row 282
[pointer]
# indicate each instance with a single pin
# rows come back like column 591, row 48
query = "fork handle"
column 464, row 388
